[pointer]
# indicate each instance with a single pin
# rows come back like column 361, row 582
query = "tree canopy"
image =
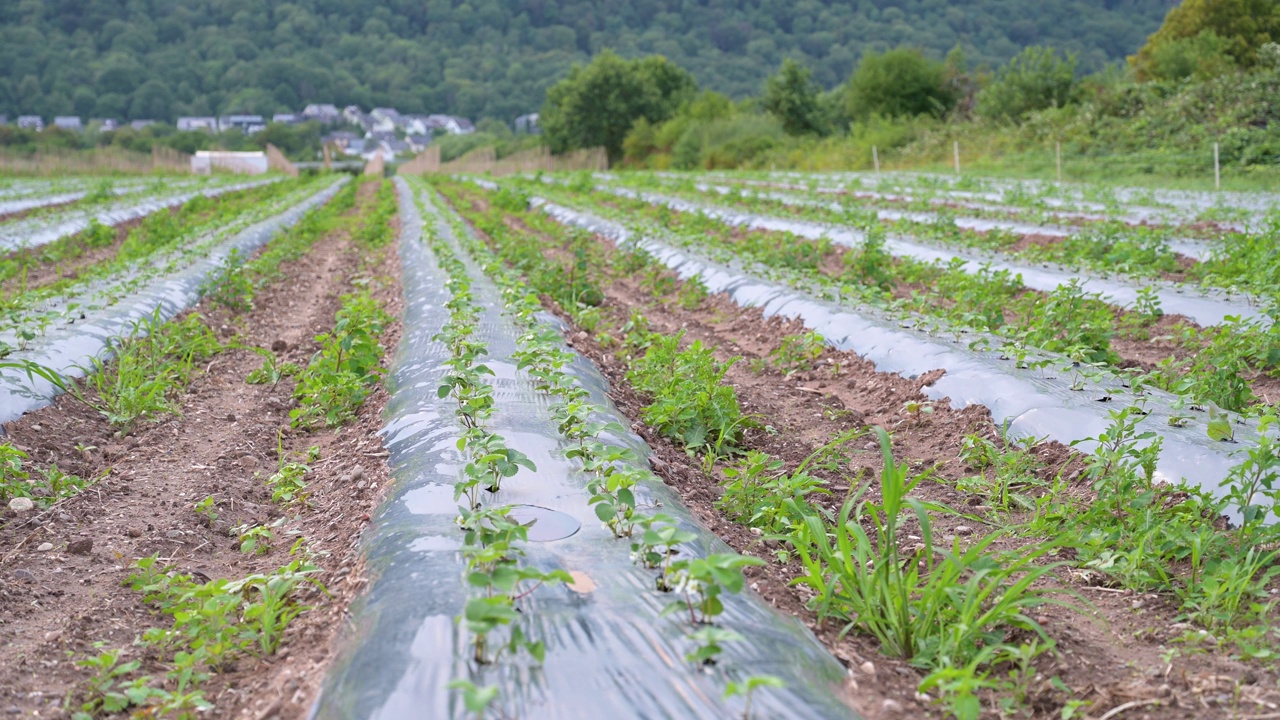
column 1034, row 80
column 901, row 82
column 791, row 96
column 598, row 103
column 1198, row 31
column 487, row 58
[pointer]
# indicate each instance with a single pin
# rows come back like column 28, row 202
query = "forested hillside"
column 487, row 58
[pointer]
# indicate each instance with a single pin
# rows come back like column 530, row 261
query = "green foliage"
column 344, row 372
column 272, row 370
column 152, row 364
column 1034, row 79
column 897, row 83
column 1233, row 28
column 1201, row 56
column 13, row 478
column 690, row 404
column 748, row 686
column 597, row 104
column 931, row 605
column 791, row 96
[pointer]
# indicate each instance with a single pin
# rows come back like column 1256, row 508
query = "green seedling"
column 798, row 353
column 207, row 509
column 474, row 698
column 710, row 643
column 287, row 485
column 701, row 581
column 747, row 688
column 272, row 371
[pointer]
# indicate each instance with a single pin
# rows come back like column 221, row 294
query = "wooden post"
column 956, row 146
column 1217, row 169
column 875, row 158
column 1059, row 153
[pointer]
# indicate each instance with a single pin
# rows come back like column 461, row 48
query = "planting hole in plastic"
column 545, row 524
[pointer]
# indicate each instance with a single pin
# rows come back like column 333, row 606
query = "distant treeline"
column 160, row 59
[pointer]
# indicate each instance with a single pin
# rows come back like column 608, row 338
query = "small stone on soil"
column 173, row 534
column 45, row 547
column 133, row 532
column 279, row 346
column 24, row 575
column 83, row 546
column 21, row 504
column 963, row 530
column 891, row 707
column 868, row 668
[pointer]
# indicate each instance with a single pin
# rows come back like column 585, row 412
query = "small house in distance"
column 247, row 124
column 68, row 122
column 187, row 124
column 325, row 114
column 31, row 122
column 247, row 163
column 528, row 124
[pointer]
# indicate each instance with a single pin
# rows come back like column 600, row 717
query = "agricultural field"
column 764, row 445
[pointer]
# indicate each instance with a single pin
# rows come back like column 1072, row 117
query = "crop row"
column 1134, row 205
column 985, row 310
column 956, row 611
column 159, row 245
column 1236, row 261
column 614, row 474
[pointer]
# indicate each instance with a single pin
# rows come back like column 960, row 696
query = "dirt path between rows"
column 1112, row 653
column 61, row 599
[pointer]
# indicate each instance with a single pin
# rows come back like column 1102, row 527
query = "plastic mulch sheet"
column 609, row 653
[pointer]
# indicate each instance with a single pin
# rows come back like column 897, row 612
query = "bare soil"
column 1112, row 653
column 55, row 603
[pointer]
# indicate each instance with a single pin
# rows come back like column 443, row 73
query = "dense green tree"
column 1230, row 28
column 791, row 96
column 598, row 103
column 1037, row 78
column 898, row 83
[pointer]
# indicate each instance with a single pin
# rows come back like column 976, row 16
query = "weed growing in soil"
column 690, row 405
column 13, row 478
column 931, row 611
column 797, row 353
column 333, row 386
column 272, row 371
column 212, row 625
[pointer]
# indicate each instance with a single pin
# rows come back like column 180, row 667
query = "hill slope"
column 163, row 58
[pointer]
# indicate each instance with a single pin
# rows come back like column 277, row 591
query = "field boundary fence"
column 106, row 160
column 277, row 161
